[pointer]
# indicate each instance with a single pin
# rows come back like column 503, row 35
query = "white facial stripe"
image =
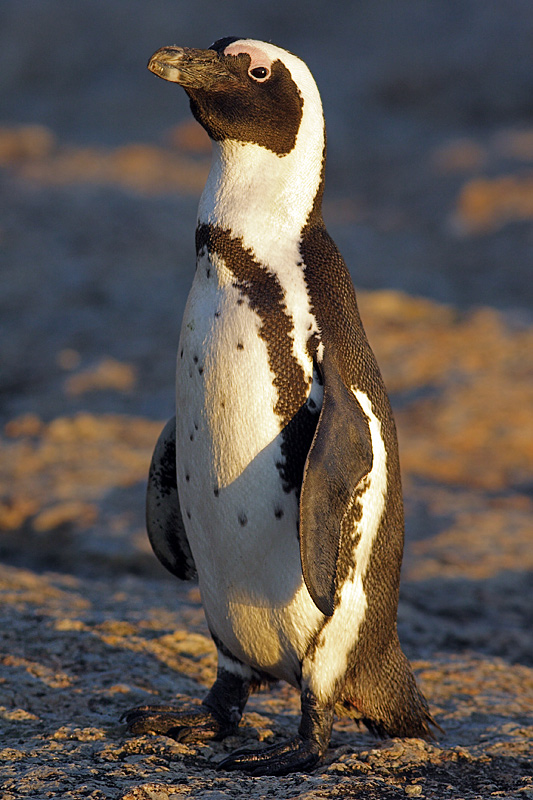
column 300, row 73
column 340, row 634
column 259, row 58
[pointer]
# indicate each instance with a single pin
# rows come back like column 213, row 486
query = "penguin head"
column 243, row 90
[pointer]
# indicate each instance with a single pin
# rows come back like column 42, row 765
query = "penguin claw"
column 296, row 755
column 183, row 726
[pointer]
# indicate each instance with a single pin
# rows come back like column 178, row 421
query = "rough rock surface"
column 433, row 212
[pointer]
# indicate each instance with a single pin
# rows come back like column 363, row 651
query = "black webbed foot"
column 195, row 725
column 217, row 717
column 295, row 755
column 301, row 753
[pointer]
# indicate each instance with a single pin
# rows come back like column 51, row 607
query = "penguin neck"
column 262, row 198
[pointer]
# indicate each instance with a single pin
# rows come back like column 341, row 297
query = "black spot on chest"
column 264, row 294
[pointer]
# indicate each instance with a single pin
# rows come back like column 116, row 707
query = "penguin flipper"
column 164, row 522
column 339, row 458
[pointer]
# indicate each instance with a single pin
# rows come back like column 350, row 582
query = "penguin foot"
column 299, row 754
column 217, row 717
column 184, row 726
column 296, row 755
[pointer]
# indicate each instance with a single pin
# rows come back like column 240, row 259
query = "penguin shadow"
column 102, row 539
column 462, row 616
column 467, row 578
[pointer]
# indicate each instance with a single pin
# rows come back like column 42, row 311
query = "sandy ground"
column 430, row 197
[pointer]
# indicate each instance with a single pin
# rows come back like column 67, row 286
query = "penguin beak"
column 192, row 69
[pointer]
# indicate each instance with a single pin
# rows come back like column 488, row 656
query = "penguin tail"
column 383, row 694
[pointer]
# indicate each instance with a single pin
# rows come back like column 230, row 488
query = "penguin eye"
column 259, row 74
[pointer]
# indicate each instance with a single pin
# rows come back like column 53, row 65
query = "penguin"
column 277, row 484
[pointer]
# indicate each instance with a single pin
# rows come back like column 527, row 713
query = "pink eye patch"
column 259, row 59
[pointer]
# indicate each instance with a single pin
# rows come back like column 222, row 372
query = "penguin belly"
column 241, row 524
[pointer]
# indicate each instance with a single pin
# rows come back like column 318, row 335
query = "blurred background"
column 429, row 195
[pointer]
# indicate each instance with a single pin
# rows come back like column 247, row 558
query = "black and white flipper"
column 164, row 522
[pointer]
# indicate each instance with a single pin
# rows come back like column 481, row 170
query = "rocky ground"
column 430, row 197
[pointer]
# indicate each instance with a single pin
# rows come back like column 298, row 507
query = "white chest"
column 225, row 390
column 241, row 524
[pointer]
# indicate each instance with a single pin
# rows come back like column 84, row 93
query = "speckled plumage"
column 286, row 456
